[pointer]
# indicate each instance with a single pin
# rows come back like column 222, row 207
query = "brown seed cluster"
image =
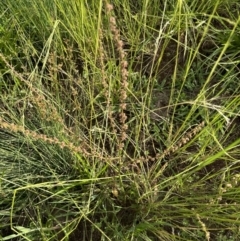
column 105, row 82
column 14, row 128
column 184, row 140
column 47, row 110
column 124, row 72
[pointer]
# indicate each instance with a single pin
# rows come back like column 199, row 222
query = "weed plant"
column 119, row 120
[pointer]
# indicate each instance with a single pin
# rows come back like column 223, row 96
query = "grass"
column 119, row 121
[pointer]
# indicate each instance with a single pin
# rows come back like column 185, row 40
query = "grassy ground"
column 119, row 121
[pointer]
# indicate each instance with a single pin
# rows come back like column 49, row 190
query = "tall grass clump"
column 119, row 120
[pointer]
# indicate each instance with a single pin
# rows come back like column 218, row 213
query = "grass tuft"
column 119, row 120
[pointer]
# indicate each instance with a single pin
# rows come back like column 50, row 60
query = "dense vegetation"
column 119, row 120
